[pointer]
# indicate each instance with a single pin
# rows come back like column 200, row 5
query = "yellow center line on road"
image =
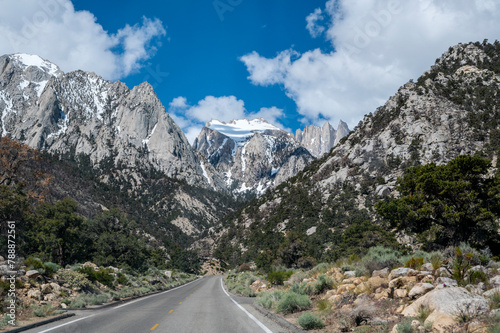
column 154, row 327
column 171, row 311
column 180, row 302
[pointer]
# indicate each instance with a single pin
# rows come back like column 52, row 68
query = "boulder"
column 376, row 282
column 383, row 273
column 35, row 294
column 420, row 289
column 350, row 274
column 32, row 274
column 258, row 286
column 403, row 271
column 428, row 267
column 443, row 272
column 446, row 304
column 444, row 282
column 479, row 268
column 345, row 288
column 45, row 288
column 491, row 292
column 404, row 281
column 400, row 293
column 495, row 281
column 55, row 287
column 168, row 274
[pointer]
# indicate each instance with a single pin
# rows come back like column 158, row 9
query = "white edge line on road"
column 140, row 299
column 71, row 322
column 251, row 316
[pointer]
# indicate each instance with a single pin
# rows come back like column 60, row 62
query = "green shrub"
column 74, row 279
column 278, row 277
column 309, row 321
column 244, row 268
column 102, row 275
column 415, row 263
column 436, row 260
column 42, row 311
column 324, row 305
column 405, row 326
column 50, row 268
column 122, row 279
column 33, row 263
column 292, row 302
column 495, row 301
column 323, row 283
column 380, row 257
column 302, row 288
column 269, row 298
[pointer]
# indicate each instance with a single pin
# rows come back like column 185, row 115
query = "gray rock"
column 420, row 289
column 444, row 282
column 495, row 281
column 319, row 140
column 350, row 274
column 32, row 273
column 428, row 267
column 383, row 273
column 35, row 294
column 451, row 301
column 403, row 271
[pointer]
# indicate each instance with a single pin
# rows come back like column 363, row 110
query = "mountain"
column 108, row 146
column 319, row 140
column 453, row 109
column 81, row 113
column 253, row 155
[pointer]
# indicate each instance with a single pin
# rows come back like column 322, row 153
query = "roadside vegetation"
column 369, row 293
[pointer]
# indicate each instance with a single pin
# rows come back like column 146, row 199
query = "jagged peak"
column 31, row 60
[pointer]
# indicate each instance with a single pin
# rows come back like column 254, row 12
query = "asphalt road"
column 200, row 306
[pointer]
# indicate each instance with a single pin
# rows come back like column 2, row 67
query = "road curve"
column 200, row 306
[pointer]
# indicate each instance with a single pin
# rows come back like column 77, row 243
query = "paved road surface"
column 201, row 306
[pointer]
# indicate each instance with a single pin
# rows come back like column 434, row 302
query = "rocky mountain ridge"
column 81, row 113
column 319, row 140
column 253, row 155
column 453, row 109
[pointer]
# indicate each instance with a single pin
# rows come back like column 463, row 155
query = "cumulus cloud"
column 192, row 118
column 313, row 23
column 376, row 46
column 72, row 39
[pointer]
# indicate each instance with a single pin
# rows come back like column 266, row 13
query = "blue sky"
column 293, row 62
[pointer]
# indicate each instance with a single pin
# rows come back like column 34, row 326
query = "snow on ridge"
column 205, row 174
column 240, row 129
column 33, row 60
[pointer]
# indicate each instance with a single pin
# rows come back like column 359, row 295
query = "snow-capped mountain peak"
column 253, row 155
column 241, row 129
column 29, row 60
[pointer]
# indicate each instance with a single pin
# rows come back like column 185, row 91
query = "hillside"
column 452, row 110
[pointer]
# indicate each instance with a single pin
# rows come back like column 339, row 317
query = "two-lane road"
column 200, row 306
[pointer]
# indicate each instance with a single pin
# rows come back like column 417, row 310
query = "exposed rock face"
column 81, row 113
column 253, row 155
column 319, row 140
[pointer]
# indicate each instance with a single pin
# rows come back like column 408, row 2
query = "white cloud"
column 312, row 23
column 72, row 39
column 377, row 45
column 192, row 118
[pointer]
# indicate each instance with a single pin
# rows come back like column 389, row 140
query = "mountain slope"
column 80, row 113
column 253, row 155
column 108, row 146
column 453, row 109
